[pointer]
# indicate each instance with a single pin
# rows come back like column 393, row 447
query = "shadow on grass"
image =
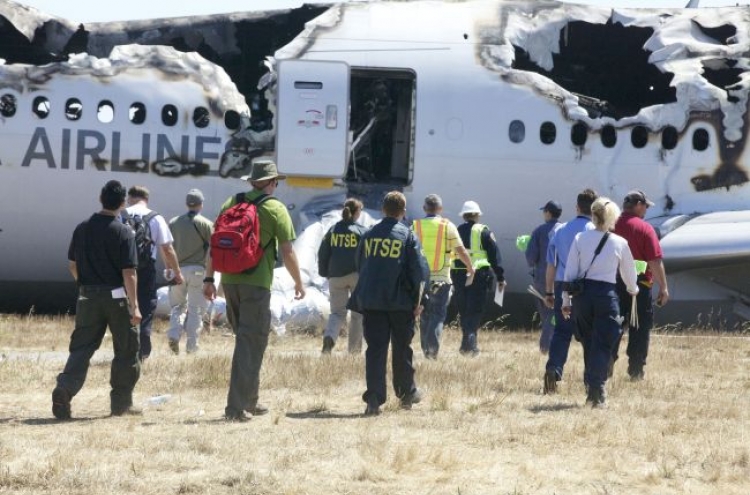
column 318, row 414
column 53, row 421
column 552, row 407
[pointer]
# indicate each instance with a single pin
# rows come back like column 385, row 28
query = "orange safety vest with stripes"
column 433, row 235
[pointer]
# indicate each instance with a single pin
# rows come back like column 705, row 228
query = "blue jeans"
column 432, row 318
column 563, row 333
column 595, row 312
column 147, row 304
column 547, row 319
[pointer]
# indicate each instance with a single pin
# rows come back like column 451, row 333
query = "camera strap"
column 596, row 253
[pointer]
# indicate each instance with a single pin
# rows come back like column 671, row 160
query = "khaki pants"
column 341, row 289
column 188, row 296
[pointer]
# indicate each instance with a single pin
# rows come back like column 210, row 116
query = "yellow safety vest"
column 433, row 235
column 477, row 254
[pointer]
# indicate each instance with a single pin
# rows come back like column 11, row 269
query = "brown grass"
column 484, row 427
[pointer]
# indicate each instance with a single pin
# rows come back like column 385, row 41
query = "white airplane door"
column 313, row 118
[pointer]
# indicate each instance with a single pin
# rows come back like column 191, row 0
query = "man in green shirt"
column 192, row 236
column 248, row 295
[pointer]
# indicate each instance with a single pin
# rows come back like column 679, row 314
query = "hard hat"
column 470, row 207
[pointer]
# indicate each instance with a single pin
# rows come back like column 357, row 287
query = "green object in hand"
column 522, row 241
column 640, row 267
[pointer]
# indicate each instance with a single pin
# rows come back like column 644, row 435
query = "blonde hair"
column 604, row 213
column 351, row 207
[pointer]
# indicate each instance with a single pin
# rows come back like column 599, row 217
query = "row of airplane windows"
column 105, row 112
column 579, row 135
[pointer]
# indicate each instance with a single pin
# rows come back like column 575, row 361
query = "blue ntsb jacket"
column 391, row 268
column 338, row 251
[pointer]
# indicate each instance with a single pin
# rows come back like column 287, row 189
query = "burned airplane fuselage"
column 509, row 103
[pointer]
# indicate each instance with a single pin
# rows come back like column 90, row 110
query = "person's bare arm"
column 209, row 288
column 130, row 278
column 660, row 277
column 169, row 256
column 292, row 266
column 549, row 285
column 463, row 255
column 73, row 269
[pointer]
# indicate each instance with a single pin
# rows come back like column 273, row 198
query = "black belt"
column 90, row 290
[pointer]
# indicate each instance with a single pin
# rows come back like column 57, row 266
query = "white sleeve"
column 162, row 235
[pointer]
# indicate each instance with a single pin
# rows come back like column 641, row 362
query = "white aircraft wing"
column 710, row 240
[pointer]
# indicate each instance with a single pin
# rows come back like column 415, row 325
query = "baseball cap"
column 635, row 197
column 194, row 197
column 552, row 207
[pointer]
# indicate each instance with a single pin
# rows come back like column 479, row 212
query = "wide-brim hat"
column 263, row 169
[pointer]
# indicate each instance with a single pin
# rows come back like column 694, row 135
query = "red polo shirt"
column 642, row 240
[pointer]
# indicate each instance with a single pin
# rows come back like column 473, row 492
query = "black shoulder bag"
column 575, row 287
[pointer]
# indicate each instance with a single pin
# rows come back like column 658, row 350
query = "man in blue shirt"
column 536, row 257
column 557, row 256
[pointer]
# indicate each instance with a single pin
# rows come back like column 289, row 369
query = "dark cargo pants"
column 380, row 328
column 95, row 311
column 249, row 313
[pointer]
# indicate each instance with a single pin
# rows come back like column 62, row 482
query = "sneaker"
column 550, row 382
column 240, row 417
column 61, row 403
column 373, row 408
column 258, row 410
column 128, row 411
column 174, row 346
column 328, row 344
column 408, row 400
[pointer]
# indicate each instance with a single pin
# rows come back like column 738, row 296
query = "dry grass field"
column 483, row 428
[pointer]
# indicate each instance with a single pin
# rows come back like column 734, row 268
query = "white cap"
column 470, row 207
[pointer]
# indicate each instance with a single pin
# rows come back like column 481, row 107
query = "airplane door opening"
column 381, row 130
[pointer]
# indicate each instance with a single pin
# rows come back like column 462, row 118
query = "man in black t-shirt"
column 102, row 259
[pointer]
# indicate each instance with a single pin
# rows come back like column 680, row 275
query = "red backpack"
column 235, row 243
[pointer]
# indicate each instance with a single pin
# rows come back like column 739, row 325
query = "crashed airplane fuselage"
column 506, row 103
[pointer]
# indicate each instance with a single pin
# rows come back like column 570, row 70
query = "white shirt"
column 160, row 232
column 615, row 255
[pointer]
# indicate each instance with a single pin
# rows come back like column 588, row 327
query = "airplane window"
column 106, row 112
column 8, row 105
column 669, row 138
column 137, row 113
column 517, row 131
column 579, row 134
column 169, row 115
column 41, row 107
column 232, row 120
column 639, row 136
column 548, row 133
column 73, row 109
column 700, row 140
column 609, row 136
column 201, row 118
